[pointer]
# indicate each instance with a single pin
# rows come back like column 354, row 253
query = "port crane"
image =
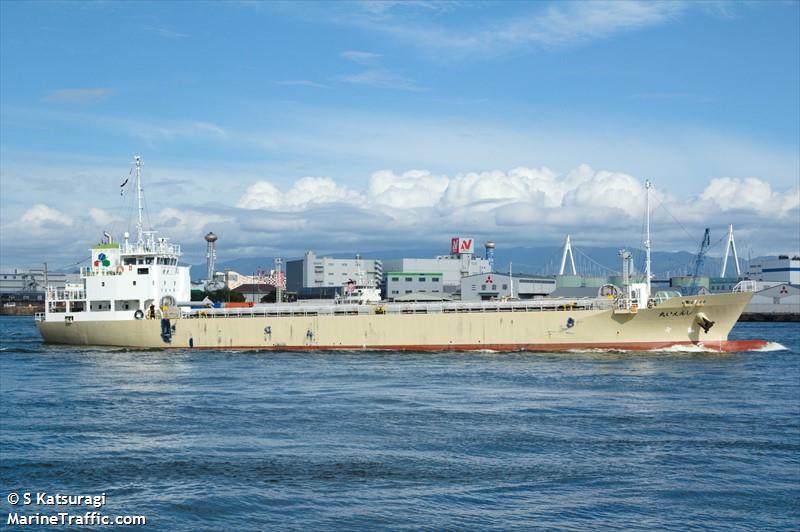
column 700, row 260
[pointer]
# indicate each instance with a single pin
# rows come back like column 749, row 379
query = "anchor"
column 703, row 321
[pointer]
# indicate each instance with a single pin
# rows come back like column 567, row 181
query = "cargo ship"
column 135, row 293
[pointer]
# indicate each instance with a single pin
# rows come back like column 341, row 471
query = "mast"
column 647, row 186
column 140, row 200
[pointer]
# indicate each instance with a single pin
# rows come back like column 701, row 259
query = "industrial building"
column 488, row 286
column 780, row 270
column 780, row 300
column 24, row 286
column 397, row 284
column 720, row 285
column 311, row 275
column 461, row 262
column 255, row 292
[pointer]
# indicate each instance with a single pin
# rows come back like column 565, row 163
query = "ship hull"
column 672, row 323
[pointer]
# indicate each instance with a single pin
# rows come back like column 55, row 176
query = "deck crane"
column 699, row 261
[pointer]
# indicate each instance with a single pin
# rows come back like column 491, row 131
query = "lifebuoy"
column 130, row 267
column 120, row 269
column 138, row 315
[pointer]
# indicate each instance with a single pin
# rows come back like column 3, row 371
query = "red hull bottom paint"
column 726, row 346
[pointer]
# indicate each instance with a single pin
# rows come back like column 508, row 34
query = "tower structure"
column 489, row 246
column 567, row 250
column 211, row 255
column 731, row 246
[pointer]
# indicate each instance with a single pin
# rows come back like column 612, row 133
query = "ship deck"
column 300, row 309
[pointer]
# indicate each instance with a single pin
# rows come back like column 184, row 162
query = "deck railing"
column 89, row 272
column 746, row 286
column 149, row 246
column 541, row 305
column 58, row 294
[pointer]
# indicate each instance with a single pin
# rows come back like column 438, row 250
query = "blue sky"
column 362, row 125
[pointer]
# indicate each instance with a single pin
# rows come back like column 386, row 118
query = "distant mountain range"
column 589, row 261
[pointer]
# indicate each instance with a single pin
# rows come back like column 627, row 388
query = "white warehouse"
column 488, row 286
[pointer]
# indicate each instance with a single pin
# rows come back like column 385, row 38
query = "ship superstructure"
column 135, row 294
column 127, row 280
column 360, row 291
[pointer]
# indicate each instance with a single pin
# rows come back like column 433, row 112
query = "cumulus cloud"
column 495, row 199
column 607, row 190
column 184, row 224
column 524, row 206
column 306, row 191
column 411, row 189
column 102, row 217
column 749, row 194
column 40, row 214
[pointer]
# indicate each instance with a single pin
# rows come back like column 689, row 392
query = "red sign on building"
column 461, row 245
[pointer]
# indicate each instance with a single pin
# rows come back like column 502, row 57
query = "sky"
column 364, row 126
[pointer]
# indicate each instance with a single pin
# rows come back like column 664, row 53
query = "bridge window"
column 126, row 304
column 99, row 306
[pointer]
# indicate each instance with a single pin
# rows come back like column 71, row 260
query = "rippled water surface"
column 331, row 440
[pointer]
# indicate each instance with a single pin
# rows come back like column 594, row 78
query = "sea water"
column 246, row 440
